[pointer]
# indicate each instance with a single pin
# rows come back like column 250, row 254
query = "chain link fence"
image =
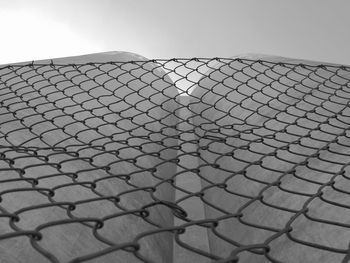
column 182, row 160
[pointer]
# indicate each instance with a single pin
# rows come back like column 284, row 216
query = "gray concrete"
column 194, row 236
column 114, row 111
column 324, row 93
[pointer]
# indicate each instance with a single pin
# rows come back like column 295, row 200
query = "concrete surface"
column 63, row 106
column 189, row 182
column 278, row 118
column 279, row 122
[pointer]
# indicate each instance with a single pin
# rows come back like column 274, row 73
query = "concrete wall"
column 96, row 114
column 273, row 142
column 272, row 164
column 188, row 181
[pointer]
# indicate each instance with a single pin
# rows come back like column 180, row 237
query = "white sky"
column 308, row 29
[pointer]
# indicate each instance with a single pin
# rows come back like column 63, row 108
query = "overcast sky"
column 308, row 29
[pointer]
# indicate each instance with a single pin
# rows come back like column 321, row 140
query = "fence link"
column 108, row 162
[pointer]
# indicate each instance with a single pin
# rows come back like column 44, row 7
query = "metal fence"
column 108, row 162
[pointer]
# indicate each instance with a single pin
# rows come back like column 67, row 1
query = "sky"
column 306, row 29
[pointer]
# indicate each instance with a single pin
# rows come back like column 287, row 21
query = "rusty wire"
column 279, row 128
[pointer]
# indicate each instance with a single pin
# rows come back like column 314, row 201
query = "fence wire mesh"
column 107, row 162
